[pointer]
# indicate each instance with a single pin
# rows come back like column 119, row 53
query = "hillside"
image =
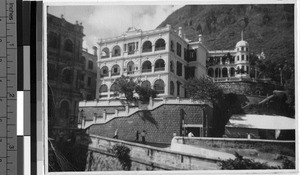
column 266, row 27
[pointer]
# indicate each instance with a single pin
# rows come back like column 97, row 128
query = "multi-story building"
column 162, row 59
column 89, row 74
column 71, row 75
column 229, row 65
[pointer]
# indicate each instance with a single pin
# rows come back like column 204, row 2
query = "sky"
column 105, row 21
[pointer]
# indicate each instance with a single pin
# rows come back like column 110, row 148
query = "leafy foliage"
column 240, row 163
column 145, row 93
column 203, row 88
column 122, row 153
column 127, row 86
column 224, row 105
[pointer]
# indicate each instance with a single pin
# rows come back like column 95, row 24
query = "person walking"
column 137, row 136
column 116, row 134
column 143, row 135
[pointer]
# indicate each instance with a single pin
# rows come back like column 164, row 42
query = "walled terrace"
column 103, row 111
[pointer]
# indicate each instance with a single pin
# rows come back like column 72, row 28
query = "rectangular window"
column 185, row 54
column 247, row 57
column 178, row 49
column 243, row 57
column 238, row 58
column 172, row 46
column 179, row 68
column 90, row 65
column 89, row 81
column 131, row 48
column 242, row 48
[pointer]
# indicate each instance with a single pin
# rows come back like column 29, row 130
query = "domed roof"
column 242, row 43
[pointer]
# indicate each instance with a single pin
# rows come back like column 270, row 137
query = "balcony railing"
column 115, row 73
column 107, row 56
column 103, row 75
column 160, row 48
column 146, row 70
column 130, row 72
column 159, row 69
column 147, row 50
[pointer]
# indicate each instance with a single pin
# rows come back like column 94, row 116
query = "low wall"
column 268, row 146
column 144, row 157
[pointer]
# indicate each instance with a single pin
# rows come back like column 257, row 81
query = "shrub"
column 241, row 163
column 122, row 153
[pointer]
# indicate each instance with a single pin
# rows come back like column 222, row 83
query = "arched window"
column 130, row 67
column 104, row 71
column 232, row 72
column 210, row 72
column 147, row 46
column 68, row 46
column 159, row 86
column 172, row 66
column 217, row 72
column 105, row 53
column 160, row 44
column 64, row 109
column 146, row 67
column 113, row 90
column 225, row 72
column 116, row 51
column 53, row 41
column 159, row 65
column 146, row 83
column 172, row 87
column 115, row 70
column 103, row 88
column 67, row 76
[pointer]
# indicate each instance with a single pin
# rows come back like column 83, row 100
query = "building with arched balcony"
column 162, row 59
column 229, row 65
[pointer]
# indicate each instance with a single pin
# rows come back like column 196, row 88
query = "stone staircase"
column 130, row 109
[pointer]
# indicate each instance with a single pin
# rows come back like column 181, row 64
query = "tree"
column 224, row 105
column 145, row 93
column 127, row 86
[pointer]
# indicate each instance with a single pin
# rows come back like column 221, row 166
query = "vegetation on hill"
column 224, row 105
column 268, row 28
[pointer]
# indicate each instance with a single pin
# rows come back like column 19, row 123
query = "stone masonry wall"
column 159, row 124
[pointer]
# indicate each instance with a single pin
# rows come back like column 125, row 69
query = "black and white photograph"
column 171, row 87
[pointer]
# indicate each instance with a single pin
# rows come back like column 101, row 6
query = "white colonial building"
column 162, row 59
column 229, row 65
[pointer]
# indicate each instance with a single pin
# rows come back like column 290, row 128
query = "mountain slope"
column 266, row 27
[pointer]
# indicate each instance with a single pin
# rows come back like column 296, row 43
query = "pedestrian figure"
column 137, row 136
column 143, row 134
column 190, row 134
column 116, row 134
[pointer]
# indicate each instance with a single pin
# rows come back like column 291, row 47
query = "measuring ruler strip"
column 8, row 85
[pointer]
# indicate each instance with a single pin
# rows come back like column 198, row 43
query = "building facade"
column 89, row 74
column 68, row 72
column 229, row 65
column 162, row 59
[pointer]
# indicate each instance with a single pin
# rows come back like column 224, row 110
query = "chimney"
column 200, row 38
column 95, row 50
column 180, row 31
